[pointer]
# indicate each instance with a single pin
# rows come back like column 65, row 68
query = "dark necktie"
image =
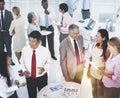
column 33, row 68
column 77, row 53
column 2, row 21
column 62, row 21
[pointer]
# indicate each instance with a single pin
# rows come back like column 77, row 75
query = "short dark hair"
column 63, row 6
column 44, row 1
column 35, row 35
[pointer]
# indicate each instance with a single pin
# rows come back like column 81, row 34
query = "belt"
column 85, row 9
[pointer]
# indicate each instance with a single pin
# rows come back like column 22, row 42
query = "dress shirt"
column 86, row 4
column 6, row 91
column 43, row 59
column 31, row 28
column 67, row 20
column 80, row 51
column 41, row 17
column 71, row 6
column 112, row 67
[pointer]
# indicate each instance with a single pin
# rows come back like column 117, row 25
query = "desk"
column 60, row 90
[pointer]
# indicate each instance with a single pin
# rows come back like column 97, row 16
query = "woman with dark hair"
column 8, row 85
column 111, row 74
column 99, row 55
column 65, row 21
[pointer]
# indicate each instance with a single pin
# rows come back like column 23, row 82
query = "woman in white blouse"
column 17, row 30
column 32, row 24
column 8, row 85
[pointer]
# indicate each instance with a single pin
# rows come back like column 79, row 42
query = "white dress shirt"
column 6, row 91
column 41, row 16
column 67, row 20
column 86, row 4
column 31, row 28
column 43, row 59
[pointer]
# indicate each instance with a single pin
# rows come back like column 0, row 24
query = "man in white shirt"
column 44, row 20
column 35, row 60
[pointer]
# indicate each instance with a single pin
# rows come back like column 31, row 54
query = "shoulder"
column 26, row 48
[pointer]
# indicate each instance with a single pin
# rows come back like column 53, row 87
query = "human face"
column 34, row 17
column 99, row 38
column 2, row 5
column 45, row 5
column 74, row 33
column 33, row 42
column 112, row 49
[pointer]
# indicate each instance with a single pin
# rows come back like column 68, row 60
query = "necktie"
column 33, row 69
column 62, row 21
column 2, row 21
column 77, row 53
column 46, row 21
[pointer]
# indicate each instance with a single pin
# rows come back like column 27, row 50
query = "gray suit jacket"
column 68, row 58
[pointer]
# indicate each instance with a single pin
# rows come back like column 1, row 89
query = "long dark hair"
column 4, row 67
column 104, row 34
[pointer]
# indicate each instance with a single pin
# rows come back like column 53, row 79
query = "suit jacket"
column 8, row 20
column 68, row 57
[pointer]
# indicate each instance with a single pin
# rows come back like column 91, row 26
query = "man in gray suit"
column 5, row 21
column 72, row 55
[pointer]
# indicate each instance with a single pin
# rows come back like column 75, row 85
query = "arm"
column 63, row 61
column 12, row 28
column 22, row 61
column 67, row 20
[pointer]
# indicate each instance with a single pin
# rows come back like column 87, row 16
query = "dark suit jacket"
column 8, row 20
column 68, row 58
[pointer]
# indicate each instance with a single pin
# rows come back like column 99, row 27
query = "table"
column 60, row 90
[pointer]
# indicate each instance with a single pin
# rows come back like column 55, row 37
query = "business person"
column 35, row 60
column 8, row 84
column 5, row 21
column 32, row 23
column 99, row 55
column 71, row 55
column 65, row 21
column 17, row 30
column 111, row 74
column 45, row 16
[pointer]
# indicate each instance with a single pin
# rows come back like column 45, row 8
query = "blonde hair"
column 115, row 41
column 16, row 10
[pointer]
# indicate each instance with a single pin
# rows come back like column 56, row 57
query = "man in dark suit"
column 5, row 21
column 72, row 58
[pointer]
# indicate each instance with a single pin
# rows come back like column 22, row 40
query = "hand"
column 21, row 84
column 47, row 12
column 67, row 78
column 40, row 70
column 17, row 82
column 27, row 74
column 101, row 68
column 58, row 26
column 101, row 72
